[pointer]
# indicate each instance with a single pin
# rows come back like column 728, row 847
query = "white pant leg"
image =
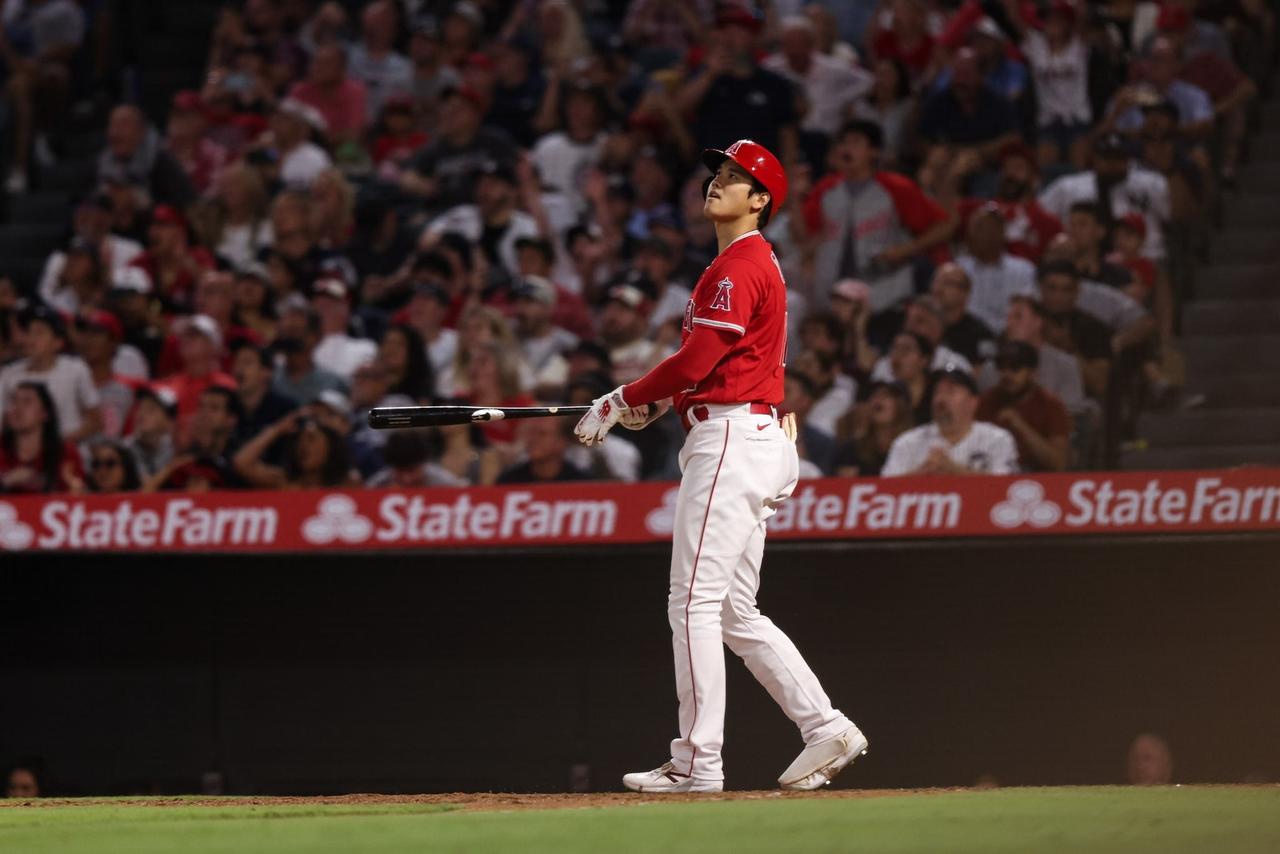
column 771, row 656
column 702, row 564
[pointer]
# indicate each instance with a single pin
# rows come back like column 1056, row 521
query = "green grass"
column 1092, row 820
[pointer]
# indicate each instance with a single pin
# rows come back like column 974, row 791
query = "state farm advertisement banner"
column 569, row 514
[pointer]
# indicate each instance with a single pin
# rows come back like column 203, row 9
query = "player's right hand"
column 640, row 417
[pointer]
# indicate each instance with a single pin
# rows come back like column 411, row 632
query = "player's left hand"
column 599, row 420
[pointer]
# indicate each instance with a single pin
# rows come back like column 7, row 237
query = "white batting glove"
column 599, row 420
column 640, row 417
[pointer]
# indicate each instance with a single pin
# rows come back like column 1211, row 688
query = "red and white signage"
column 569, row 514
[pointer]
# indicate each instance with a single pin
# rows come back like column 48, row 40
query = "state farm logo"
column 662, row 520
column 1025, row 504
column 336, row 519
column 15, row 535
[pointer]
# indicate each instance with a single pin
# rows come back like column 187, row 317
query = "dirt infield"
column 472, row 801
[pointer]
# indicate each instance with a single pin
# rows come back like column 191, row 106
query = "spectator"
column 870, row 224
column 996, row 275
column 297, row 375
column 1217, row 75
column 254, row 302
column 232, row 222
column 426, row 314
column 564, row 157
column 815, row 447
column 332, row 209
column 1028, row 227
column 850, row 305
column 339, row 99
column 493, row 379
column 493, row 222
column 260, row 405
column 200, row 355
column 404, row 355
column 134, row 156
column 338, row 352
column 1059, row 61
column 443, row 173
column 884, row 417
column 963, row 332
column 624, row 327
column 662, row 32
column 953, row 442
column 98, row 335
column 545, row 441
column 172, row 264
column 731, row 97
column 374, row 60
column 37, row 46
column 34, row 458
column 301, row 160
column 536, row 256
column 968, row 113
column 889, row 106
column 152, row 440
column 1038, row 420
column 216, row 426
column 1160, row 82
column 79, row 278
column 65, row 377
column 909, row 358
column 1150, row 761
column 23, row 781
column 542, row 342
column 924, row 317
column 905, row 38
column 1146, row 279
column 432, row 73
column 833, row 392
column 397, row 137
column 1057, row 372
column 314, row 456
column 1088, row 235
column 830, row 87
column 112, row 468
column 1118, row 187
column 1072, row 330
column 409, row 464
column 201, row 158
column 91, row 227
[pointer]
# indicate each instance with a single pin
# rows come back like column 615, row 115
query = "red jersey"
column 742, row 292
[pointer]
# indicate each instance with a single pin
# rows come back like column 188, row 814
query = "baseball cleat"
column 667, row 780
column 818, row 764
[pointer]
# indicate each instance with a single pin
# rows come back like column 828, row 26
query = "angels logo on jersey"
column 721, row 300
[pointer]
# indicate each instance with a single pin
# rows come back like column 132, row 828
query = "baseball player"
column 739, row 464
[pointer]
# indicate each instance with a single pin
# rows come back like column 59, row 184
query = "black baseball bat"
column 388, row 417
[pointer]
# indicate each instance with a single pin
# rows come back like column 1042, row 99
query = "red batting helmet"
column 759, row 163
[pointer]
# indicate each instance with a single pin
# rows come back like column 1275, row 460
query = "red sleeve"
column 957, row 28
column 918, row 212
column 813, row 203
column 686, row 367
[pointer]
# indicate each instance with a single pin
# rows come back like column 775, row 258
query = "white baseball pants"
column 737, row 468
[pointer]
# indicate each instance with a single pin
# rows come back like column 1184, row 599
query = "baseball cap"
column 1016, row 354
column 335, row 401
column 501, row 171
column 1173, row 17
column 535, row 288
column 163, row 214
column 162, row 395
column 132, row 280
column 956, row 374
column 303, row 113
column 201, row 324
column 1135, row 221
column 329, row 286
column 1110, row 145
column 469, row 12
column 103, row 321
column 629, row 295
column 854, row 290
column 41, row 313
column 1016, row 148
column 187, row 101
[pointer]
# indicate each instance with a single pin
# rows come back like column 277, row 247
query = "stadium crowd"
column 386, row 203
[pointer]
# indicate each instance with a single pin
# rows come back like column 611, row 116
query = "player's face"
column 729, row 196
